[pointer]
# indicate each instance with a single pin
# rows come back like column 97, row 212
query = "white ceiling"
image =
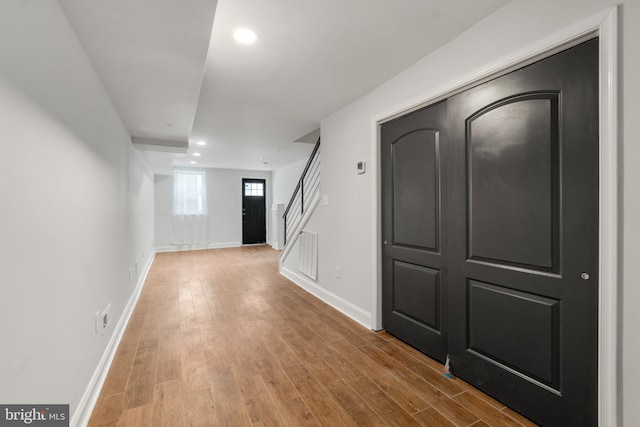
column 174, row 72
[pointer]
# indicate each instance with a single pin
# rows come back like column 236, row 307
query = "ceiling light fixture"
column 245, row 36
column 196, row 154
column 201, row 143
column 193, row 163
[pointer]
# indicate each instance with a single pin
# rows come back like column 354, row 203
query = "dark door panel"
column 414, row 161
column 414, row 273
column 415, row 293
column 533, row 324
column 513, row 182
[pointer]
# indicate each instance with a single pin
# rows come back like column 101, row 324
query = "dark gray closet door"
column 523, row 237
column 414, row 229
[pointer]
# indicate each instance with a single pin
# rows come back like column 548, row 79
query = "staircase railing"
column 306, row 189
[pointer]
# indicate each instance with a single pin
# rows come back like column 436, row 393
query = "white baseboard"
column 345, row 307
column 224, row 245
column 83, row 413
column 180, row 248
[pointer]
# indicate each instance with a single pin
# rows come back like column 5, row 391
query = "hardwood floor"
column 219, row 338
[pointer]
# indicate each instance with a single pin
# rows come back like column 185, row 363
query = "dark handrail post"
column 285, row 229
column 302, row 195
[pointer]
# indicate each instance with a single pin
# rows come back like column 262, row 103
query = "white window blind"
column 189, row 192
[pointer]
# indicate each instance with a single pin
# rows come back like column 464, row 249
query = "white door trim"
column 605, row 25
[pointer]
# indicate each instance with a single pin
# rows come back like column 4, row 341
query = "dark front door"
column 253, row 211
column 490, row 201
column 414, row 229
column 524, row 237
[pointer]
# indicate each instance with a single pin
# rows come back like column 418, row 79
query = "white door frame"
column 605, row 26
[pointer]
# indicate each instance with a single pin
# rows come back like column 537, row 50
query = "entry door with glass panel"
column 254, row 228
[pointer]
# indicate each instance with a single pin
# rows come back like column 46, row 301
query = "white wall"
column 224, row 200
column 347, row 137
column 630, row 233
column 142, row 213
column 163, row 210
column 285, row 180
column 75, row 208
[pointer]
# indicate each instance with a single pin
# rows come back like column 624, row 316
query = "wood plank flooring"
column 219, row 338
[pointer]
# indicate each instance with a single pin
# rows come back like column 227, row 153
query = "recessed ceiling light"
column 196, row 154
column 193, row 163
column 201, row 143
column 245, row 36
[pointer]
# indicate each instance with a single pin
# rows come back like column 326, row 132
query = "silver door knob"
column 585, row 276
column 385, row 242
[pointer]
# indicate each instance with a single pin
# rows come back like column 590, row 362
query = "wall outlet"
column 339, row 272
